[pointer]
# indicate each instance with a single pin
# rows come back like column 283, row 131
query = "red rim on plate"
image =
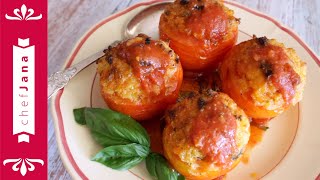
column 72, row 57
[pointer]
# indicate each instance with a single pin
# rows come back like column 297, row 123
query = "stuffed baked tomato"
column 199, row 31
column 205, row 135
column 140, row 77
column 263, row 77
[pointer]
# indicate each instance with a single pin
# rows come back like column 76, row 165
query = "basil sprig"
column 126, row 143
column 111, row 128
column 122, row 157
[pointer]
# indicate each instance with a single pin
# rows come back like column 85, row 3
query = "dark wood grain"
column 70, row 19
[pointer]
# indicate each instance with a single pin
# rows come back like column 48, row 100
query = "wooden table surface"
column 70, row 19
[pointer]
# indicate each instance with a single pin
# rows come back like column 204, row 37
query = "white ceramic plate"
column 290, row 148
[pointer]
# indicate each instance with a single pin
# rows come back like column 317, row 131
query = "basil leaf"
column 112, row 128
column 158, row 167
column 151, row 164
column 79, row 116
column 122, row 157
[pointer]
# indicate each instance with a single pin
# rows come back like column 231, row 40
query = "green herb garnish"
column 260, row 126
column 158, row 167
column 264, row 128
column 122, row 157
column 126, row 143
column 111, row 128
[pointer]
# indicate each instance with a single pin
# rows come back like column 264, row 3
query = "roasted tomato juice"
column 256, row 136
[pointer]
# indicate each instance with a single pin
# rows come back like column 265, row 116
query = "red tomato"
column 200, row 32
column 140, row 77
column 263, row 77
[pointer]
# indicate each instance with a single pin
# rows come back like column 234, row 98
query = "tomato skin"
column 191, row 58
column 201, row 38
column 140, row 77
column 147, row 111
column 260, row 114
